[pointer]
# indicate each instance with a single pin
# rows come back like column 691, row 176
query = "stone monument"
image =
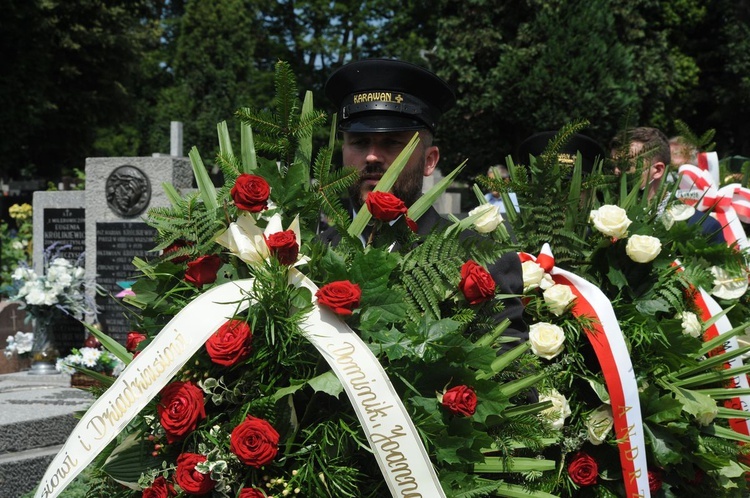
column 119, row 192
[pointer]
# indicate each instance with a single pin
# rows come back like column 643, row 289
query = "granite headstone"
column 119, row 192
column 60, row 231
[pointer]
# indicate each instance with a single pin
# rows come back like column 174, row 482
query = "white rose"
column 558, row 298
column 488, row 218
column 547, row 339
column 690, row 324
column 558, row 412
column 532, row 275
column 728, row 286
column 610, row 220
column 643, row 248
column 598, row 424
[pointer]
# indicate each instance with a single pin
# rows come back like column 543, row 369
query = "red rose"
column 476, row 283
column 159, row 489
column 203, row 270
column 583, row 469
column 341, row 296
column 230, row 344
column 189, row 479
column 251, row 493
column 284, row 246
column 180, row 409
column 255, row 442
column 460, row 400
column 134, row 338
column 654, row 480
column 385, row 206
column 250, row 193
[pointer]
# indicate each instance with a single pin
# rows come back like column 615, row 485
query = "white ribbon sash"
column 617, row 368
column 393, row 438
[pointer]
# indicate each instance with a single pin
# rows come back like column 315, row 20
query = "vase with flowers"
column 61, row 290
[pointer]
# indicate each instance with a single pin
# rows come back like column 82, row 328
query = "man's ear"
column 431, row 158
column 657, row 170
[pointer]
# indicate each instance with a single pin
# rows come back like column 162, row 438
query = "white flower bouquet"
column 63, row 286
column 93, row 359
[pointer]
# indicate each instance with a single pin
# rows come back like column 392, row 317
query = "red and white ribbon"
column 710, row 308
column 729, row 205
column 612, row 352
column 709, row 161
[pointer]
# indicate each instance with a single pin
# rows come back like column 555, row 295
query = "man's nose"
column 374, row 154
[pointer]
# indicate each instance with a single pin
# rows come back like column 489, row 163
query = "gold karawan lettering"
column 373, row 97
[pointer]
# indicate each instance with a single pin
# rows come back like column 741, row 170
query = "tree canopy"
column 85, row 78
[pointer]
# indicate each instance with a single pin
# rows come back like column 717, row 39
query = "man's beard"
column 408, row 186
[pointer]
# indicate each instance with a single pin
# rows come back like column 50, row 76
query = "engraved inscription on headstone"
column 66, row 227
column 116, row 246
column 128, row 191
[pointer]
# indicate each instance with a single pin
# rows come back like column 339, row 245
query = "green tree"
column 519, row 69
column 68, row 70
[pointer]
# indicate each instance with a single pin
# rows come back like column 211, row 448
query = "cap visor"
column 380, row 123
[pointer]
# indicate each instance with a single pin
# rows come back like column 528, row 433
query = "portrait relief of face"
column 128, row 191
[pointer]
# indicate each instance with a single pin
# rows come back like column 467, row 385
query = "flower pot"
column 83, row 381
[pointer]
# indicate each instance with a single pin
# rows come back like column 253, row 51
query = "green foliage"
column 15, row 245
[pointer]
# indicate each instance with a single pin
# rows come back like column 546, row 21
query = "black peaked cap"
column 378, row 95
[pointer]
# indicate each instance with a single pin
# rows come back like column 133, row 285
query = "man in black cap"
column 381, row 104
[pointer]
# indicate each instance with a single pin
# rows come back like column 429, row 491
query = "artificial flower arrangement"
column 90, row 359
column 655, row 268
column 257, row 411
column 62, row 287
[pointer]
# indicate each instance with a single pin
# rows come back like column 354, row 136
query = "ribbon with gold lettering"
column 612, row 352
column 393, row 438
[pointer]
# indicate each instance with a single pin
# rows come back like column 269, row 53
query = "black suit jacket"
column 506, row 272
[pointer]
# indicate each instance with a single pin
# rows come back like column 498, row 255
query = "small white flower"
column 17, row 245
column 690, row 324
column 90, row 356
column 559, row 411
column 598, row 424
column 547, row 339
column 489, row 218
column 532, row 275
column 728, row 286
column 62, row 366
column 558, row 298
column 610, row 220
column 643, row 248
